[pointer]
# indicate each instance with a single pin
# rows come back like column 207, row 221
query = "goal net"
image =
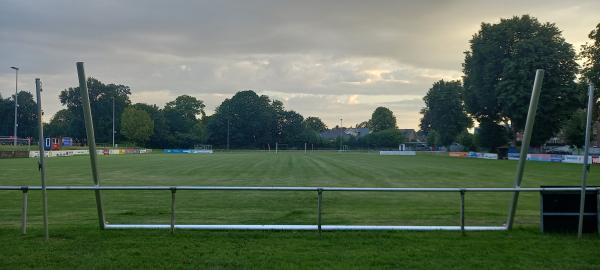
column 12, row 143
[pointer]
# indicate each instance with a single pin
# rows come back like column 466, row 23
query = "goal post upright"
column 535, row 95
column 91, row 140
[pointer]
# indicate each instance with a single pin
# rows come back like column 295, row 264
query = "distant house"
column 345, row 132
column 410, row 135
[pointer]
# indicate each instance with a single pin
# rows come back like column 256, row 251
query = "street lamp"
column 16, row 104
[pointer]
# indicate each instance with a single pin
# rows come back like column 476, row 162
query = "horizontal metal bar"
column 232, row 188
column 305, row 227
column 567, row 214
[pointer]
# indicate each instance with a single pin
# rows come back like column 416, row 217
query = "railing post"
column 24, row 211
column 319, row 203
column 173, row 190
column 462, row 211
column 598, row 208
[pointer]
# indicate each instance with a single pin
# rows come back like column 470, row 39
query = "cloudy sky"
column 329, row 59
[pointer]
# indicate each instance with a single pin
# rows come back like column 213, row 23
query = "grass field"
column 77, row 243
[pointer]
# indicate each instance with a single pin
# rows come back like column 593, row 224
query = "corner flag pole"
column 91, row 140
column 535, row 96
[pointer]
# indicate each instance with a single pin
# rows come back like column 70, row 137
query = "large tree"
column 101, row 102
column 382, row 119
column 184, row 122
column 60, row 124
column 444, row 111
column 500, row 67
column 136, row 125
column 590, row 52
column 160, row 136
column 314, row 123
column 249, row 118
column 26, row 116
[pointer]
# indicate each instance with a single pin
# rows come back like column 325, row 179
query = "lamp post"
column 227, row 134
column 16, row 103
column 113, row 122
column 341, row 133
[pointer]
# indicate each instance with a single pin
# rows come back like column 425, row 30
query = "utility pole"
column 113, row 123
column 16, row 103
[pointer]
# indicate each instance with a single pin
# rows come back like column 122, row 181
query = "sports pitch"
column 76, row 241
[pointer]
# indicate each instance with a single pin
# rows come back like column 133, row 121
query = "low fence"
column 319, row 191
column 533, row 157
column 79, row 152
column 187, row 151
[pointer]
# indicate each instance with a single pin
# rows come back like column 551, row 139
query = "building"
column 346, row 132
column 410, row 135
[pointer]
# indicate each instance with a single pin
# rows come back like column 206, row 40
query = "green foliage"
column 161, row 135
column 136, row 125
column 26, row 116
column 444, row 111
column 60, row 124
column 183, row 125
column 490, row 135
column 382, row 119
column 101, row 101
column 433, row 138
column 574, row 129
column 182, row 113
column 467, row 140
column 250, row 119
column 385, row 138
column 314, row 123
column 500, row 67
column 255, row 121
column 590, row 52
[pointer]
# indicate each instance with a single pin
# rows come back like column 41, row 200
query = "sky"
column 330, row 59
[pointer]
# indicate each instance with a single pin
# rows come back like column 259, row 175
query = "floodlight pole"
column 42, row 164
column 16, row 103
column 341, row 134
column 535, row 95
column 586, row 165
column 91, row 140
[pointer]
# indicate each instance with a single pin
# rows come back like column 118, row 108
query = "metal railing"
column 319, row 192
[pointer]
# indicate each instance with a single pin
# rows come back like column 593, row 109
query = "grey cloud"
column 333, row 48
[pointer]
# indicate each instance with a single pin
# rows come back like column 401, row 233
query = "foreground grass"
column 88, row 248
column 77, row 243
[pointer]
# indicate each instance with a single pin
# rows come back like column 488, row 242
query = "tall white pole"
column 586, row 165
column 535, row 96
column 42, row 164
column 341, row 133
column 113, row 123
column 16, row 104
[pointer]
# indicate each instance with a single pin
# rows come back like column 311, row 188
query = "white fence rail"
column 319, row 192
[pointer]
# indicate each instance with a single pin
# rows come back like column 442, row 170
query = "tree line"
column 495, row 90
column 246, row 120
